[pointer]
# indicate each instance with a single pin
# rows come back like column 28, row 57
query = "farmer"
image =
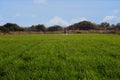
column 65, row 30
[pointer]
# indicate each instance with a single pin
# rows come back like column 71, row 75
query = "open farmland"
column 60, row 57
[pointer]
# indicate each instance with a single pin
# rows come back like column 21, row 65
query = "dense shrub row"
column 84, row 25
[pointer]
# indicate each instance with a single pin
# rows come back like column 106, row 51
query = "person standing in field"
column 65, row 30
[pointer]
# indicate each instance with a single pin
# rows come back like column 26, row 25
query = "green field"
column 60, row 57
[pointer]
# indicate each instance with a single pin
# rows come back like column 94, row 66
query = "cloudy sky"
column 58, row 12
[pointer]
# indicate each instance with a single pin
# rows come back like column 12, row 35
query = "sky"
column 58, row 12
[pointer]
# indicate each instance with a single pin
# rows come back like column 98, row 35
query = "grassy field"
column 60, row 57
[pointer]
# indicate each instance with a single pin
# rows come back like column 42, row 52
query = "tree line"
column 84, row 25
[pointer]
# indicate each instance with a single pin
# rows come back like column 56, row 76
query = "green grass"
column 60, row 57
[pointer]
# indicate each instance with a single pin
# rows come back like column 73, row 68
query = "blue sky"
column 58, row 12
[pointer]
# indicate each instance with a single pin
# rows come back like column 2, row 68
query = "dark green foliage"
column 12, row 27
column 104, row 26
column 54, row 28
column 4, row 29
column 84, row 25
column 118, row 26
column 38, row 27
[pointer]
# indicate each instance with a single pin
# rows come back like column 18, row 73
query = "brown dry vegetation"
column 61, row 32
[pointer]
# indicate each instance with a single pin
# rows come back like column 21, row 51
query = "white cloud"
column 40, row 1
column 113, row 18
column 109, row 18
column 83, row 19
column 58, row 21
column 75, row 20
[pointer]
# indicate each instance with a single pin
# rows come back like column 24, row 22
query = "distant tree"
column 55, row 28
column 112, row 27
column 32, row 28
column 3, row 29
column 0, row 28
column 40, row 27
column 22, row 29
column 104, row 26
column 12, row 27
column 117, row 26
column 84, row 25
